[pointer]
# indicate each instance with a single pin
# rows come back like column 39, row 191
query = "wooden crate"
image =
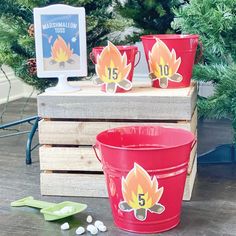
column 92, row 185
column 71, row 121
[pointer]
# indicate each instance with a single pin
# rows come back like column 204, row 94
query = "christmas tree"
column 215, row 22
column 17, row 47
column 149, row 16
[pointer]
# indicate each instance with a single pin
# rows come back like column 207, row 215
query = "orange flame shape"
column 111, row 66
column 139, row 191
column 60, row 51
column 162, row 62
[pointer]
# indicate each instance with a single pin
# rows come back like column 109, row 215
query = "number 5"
column 141, row 200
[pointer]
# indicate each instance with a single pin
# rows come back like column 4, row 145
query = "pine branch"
column 14, row 9
column 17, row 47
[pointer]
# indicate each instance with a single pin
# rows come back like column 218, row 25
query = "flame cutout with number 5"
column 163, row 64
column 112, row 69
column 141, row 193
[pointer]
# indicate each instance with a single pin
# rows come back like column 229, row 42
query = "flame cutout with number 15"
column 112, row 69
column 141, row 193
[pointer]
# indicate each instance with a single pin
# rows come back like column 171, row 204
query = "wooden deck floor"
column 212, row 210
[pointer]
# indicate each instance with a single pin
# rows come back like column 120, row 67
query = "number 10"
column 164, row 70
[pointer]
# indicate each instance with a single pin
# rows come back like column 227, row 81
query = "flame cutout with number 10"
column 163, row 64
column 112, row 69
column 141, row 193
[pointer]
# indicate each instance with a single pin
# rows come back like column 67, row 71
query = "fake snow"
column 64, row 210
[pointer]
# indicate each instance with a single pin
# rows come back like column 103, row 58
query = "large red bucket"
column 130, row 51
column 145, row 169
column 170, row 59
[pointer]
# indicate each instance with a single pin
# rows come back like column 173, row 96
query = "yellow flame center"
column 140, row 199
column 111, row 74
column 163, row 69
column 61, row 56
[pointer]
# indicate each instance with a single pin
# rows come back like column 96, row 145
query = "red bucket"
column 145, row 169
column 170, row 59
column 131, row 52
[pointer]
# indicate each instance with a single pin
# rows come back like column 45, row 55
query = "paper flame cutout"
column 112, row 69
column 137, row 183
column 141, row 193
column 163, row 64
column 61, row 51
column 110, row 62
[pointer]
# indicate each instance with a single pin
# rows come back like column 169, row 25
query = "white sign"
column 60, row 41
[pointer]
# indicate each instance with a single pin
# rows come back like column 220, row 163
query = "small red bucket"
column 131, row 52
column 170, row 59
column 145, row 169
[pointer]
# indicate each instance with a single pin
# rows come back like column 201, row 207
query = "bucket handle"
column 193, row 143
column 199, row 57
column 96, row 154
column 139, row 57
column 92, row 57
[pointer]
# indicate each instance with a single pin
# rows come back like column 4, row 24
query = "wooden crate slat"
column 86, row 185
column 68, row 159
column 140, row 103
column 79, row 159
column 84, row 133
column 63, row 184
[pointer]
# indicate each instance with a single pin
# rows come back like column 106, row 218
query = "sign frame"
column 60, row 10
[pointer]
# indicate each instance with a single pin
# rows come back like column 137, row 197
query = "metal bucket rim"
column 120, row 48
column 191, row 138
column 170, row 36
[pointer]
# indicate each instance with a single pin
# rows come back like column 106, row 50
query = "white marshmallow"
column 98, row 223
column 65, row 226
column 89, row 219
column 90, row 227
column 94, row 231
column 102, row 228
column 80, row 230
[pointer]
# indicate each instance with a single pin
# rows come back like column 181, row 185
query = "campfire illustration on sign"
column 141, row 193
column 163, row 64
column 61, row 52
column 112, row 69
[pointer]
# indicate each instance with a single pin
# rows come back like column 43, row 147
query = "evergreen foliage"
column 215, row 22
column 17, row 46
column 149, row 16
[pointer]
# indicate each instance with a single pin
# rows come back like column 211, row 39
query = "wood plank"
column 192, row 123
column 79, row 159
column 90, row 185
column 189, row 184
column 68, row 158
column 86, row 185
column 140, row 103
column 84, row 133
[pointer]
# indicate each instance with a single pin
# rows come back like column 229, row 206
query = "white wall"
column 18, row 88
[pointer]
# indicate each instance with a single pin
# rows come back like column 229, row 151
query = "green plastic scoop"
column 52, row 211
